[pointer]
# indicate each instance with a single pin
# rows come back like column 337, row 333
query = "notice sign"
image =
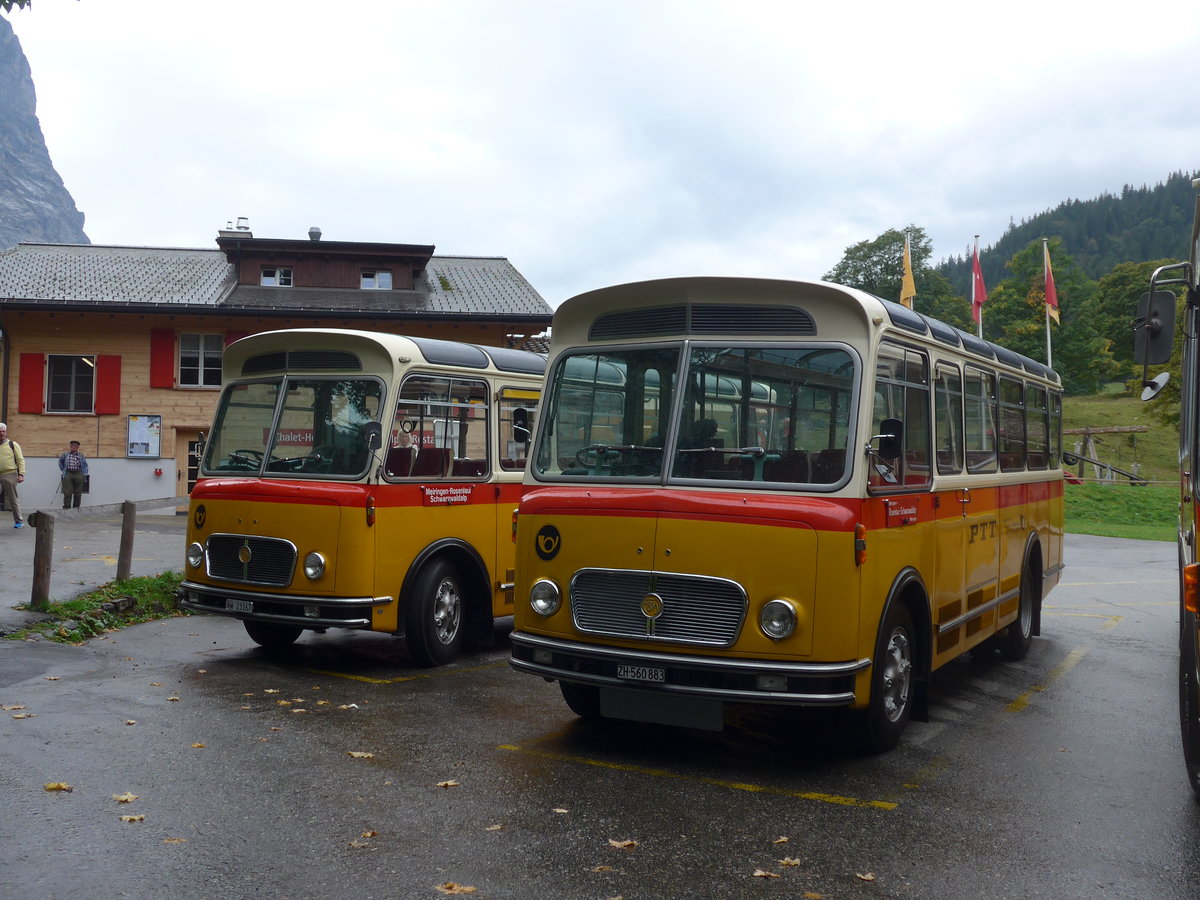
column 444, row 495
column 145, row 435
column 901, row 512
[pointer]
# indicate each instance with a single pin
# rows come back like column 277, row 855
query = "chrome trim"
column 712, row 664
column 218, row 594
column 977, row 611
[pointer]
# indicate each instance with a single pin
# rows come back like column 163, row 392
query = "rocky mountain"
column 34, row 203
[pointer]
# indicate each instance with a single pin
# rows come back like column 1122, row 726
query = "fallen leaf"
column 197, row 746
column 58, row 786
column 202, row 671
column 131, row 721
column 370, row 834
column 270, row 690
column 298, row 710
column 865, row 876
column 358, row 845
column 623, row 845
column 780, row 840
column 360, row 754
column 245, row 707
column 602, row 868
column 125, row 797
column 8, row 707
column 138, row 818
column 760, row 873
column 789, row 861
column 283, row 702
column 24, row 715
column 174, row 840
column 493, row 828
column 447, row 784
column 348, row 706
column 52, row 678
column 156, row 684
column 172, row 699
column 560, row 810
column 276, row 728
column 451, row 888
column 322, row 703
column 813, row 895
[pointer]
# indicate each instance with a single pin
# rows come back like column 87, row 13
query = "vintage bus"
column 749, row 491
column 1155, row 337
column 362, row 480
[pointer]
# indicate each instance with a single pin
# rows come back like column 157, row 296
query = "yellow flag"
column 908, row 288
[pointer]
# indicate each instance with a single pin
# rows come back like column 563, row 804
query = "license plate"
column 239, row 605
column 641, row 673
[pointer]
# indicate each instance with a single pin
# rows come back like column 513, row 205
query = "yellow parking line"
column 432, row 673
column 716, row 782
column 1054, row 674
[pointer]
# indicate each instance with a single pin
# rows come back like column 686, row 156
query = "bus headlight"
column 545, row 597
column 314, row 566
column 195, row 555
column 777, row 619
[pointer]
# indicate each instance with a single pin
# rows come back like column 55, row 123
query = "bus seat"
column 399, row 461
column 465, row 467
column 507, row 463
column 829, row 466
column 431, row 462
column 792, row 467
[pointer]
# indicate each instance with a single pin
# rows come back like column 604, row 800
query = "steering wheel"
column 581, row 456
column 247, row 457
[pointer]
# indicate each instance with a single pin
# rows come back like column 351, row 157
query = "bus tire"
column 433, row 623
column 892, row 681
column 1189, row 697
column 272, row 635
column 583, row 699
column 1014, row 644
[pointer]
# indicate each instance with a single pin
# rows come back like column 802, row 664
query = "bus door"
column 980, row 506
column 516, row 413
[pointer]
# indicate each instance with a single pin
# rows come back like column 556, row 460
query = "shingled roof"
column 90, row 275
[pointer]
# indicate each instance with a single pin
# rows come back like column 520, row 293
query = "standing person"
column 73, row 465
column 12, row 473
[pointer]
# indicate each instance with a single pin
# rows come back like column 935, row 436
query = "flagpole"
column 974, row 288
column 1046, row 301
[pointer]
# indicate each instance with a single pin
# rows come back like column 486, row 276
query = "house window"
column 376, row 280
column 200, row 360
column 72, row 384
column 276, row 276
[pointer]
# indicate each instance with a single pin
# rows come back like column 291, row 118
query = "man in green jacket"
column 12, row 473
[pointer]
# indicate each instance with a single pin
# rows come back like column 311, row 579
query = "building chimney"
column 243, row 224
column 314, row 233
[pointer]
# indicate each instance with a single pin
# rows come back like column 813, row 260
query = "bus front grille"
column 251, row 560
column 695, row 609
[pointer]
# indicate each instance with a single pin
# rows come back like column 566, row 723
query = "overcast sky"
column 595, row 143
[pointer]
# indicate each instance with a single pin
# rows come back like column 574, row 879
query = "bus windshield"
column 294, row 425
column 764, row 414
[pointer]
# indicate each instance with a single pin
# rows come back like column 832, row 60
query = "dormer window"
column 276, row 276
column 376, row 280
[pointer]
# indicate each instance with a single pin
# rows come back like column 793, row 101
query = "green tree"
column 877, row 267
column 1014, row 317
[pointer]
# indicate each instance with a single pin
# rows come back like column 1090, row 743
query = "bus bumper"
column 715, row 678
column 290, row 609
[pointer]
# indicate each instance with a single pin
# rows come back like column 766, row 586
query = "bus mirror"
column 891, row 439
column 1154, row 328
column 1153, row 387
column 372, row 433
column 520, row 418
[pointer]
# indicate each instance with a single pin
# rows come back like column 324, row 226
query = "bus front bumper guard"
column 716, row 678
column 289, row 609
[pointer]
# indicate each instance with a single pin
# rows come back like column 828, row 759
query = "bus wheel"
column 272, row 635
column 891, row 682
column 584, row 699
column 1189, row 698
column 1015, row 643
column 434, row 620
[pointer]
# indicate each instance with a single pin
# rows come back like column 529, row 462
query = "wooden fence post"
column 43, row 559
column 125, row 556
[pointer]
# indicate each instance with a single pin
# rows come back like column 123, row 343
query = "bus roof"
column 737, row 306
column 339, row 349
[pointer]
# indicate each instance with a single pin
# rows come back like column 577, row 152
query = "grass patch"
column 1122, row 510
column 109, row 607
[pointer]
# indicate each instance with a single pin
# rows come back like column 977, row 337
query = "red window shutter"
column 108, row 385
column 162, row 358
column 231, row 336
column 32, row 398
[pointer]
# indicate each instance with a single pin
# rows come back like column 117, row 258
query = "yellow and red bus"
column 362, row 480
column 750, row 491
column 1154, row 344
